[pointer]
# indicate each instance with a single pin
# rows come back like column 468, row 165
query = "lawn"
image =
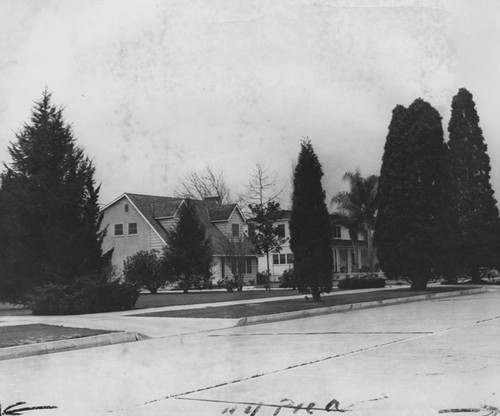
column 148, row 300
column 268, row 308
column 14, row 335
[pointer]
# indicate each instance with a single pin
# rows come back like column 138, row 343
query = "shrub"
column 227, row 283
column 288, row 279
column 261, row 278
column 144, row 269
column 50, row 300
column 363, row 282
column 91, row 294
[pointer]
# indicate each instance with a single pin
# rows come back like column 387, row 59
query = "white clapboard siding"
column 156, row 243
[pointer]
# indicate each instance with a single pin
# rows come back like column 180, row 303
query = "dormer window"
column 236, row 230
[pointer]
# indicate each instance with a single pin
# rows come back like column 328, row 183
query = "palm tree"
column 357, row 208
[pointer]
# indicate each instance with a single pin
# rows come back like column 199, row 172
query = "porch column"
column 349, row 260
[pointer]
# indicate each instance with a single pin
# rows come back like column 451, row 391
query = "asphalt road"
column 426, row 358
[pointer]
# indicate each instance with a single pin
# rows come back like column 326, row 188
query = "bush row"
column 363, row 282
column 86, row 295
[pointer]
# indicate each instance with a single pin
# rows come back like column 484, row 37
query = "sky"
column 156, row 89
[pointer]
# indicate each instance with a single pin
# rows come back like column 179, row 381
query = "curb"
column 284, row 316
column 20, row 351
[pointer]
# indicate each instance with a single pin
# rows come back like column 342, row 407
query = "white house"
column 140, row 222
column 348, row 256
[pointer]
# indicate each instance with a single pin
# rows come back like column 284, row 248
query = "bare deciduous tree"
column 205, row 183
column 264, row 186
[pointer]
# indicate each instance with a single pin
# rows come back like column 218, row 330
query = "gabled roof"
column 221, row 212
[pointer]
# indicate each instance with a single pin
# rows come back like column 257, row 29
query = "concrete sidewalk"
column 419, row 358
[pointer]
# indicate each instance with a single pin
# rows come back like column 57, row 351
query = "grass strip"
column 290, row 305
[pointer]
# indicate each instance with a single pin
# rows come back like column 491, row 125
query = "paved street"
column 418, row 358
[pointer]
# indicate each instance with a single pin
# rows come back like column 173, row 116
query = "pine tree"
column 412, row 228
column 187, row 257
column 473, row 198
column 50, row 196
column 310, row 231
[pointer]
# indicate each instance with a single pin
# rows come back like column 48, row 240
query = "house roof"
column 154, row 208
column 285, row 214
column 220, row 212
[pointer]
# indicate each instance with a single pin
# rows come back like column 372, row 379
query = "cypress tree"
column 478, row 226
column 49, row 195
column 412, row 227
column 310, row 231
column 187, row 257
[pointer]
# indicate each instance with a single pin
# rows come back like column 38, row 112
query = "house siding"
column 126, row 245
column 226, row 227
column 156, row 242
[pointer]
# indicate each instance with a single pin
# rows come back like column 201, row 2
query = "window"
column 236, row 230
column 132, row 228
column 337, row 232
column 118, row 229
column 126, row 207
column 249, row 265
column 281, row 230
column 289, row 258
column 282, row 259
column 276, row 259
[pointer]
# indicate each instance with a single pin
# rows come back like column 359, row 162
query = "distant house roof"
column 285, row 214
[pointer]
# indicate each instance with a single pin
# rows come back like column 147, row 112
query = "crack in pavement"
column 327, row 333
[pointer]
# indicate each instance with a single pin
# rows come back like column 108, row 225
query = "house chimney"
column 212, row 200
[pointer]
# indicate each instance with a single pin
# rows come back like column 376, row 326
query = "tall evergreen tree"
column 49, row 195
column 412, row 228
column 188, row 254
column 473, row 198
column 310, row 231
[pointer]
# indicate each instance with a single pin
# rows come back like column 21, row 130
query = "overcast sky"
column 158, row 88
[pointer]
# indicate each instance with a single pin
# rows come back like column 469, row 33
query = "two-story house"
column 140, row 222
column 348, row 257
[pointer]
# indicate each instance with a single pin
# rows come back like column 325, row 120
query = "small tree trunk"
column 239, row 280
column 419, row 281
column 268, row 274
column 369, row 242
column 475, row 275
column 316, row 294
